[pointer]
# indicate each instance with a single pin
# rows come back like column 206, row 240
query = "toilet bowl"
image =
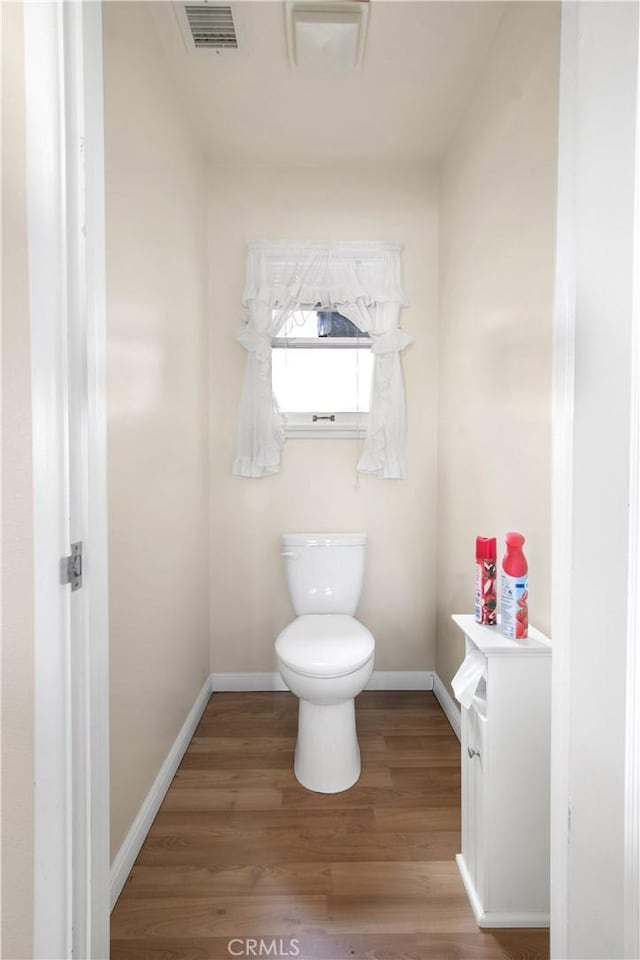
column 325, row 655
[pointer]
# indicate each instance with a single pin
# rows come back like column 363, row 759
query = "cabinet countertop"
column 491, row 641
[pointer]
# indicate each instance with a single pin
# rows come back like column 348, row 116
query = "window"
column 357, row 379
column 321, row 374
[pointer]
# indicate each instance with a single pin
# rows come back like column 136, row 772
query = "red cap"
column 514, row 562
column 513, row 539
column 486, row 548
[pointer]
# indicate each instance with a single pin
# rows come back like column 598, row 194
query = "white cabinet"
column 504, row 861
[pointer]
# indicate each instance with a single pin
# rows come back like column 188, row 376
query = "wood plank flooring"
column 243, row 861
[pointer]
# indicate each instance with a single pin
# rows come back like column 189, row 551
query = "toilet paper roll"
column 465, row 683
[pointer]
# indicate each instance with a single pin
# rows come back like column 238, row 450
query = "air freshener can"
column 485, row 594
column 514, row 590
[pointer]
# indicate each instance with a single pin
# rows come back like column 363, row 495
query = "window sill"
column 301, row 426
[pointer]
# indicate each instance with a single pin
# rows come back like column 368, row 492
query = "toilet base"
column 327, row 758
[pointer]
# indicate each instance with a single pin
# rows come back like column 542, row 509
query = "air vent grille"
column 211, row 26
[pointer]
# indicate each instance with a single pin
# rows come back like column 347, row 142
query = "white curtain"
column 362, row 281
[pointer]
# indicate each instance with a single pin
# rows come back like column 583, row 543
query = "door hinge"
column 71, row 567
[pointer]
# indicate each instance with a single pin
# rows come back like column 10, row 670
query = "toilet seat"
column 325, row 645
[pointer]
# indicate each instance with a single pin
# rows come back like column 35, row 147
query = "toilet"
column 325, row 656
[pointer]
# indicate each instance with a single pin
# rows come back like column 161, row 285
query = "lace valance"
column 325, row 273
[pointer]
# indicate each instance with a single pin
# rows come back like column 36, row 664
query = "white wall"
column 157, row 409
column 317, row 488
column 17, row 508
column 497, row 218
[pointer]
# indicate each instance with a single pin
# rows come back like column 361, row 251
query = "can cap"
column 514, row 562
column 486, row 548
column 514, row 539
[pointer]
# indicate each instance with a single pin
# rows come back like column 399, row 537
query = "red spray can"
column 514, row 601
column 485, row 598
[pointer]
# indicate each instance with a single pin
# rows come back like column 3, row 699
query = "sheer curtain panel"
column 362, row 281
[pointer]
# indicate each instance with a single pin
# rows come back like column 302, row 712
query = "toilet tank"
column 324, row 571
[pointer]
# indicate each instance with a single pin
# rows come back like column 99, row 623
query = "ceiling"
column 420, row 64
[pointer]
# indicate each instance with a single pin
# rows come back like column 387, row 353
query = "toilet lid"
column 325, row 645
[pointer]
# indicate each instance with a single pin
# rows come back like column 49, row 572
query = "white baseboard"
column 448, row 704
column 400, row 680
column 380, row 680
column 126, row 856
column 230, row 682
column 487, row 920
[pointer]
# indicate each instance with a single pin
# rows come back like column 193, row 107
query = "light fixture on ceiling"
column 325, row 33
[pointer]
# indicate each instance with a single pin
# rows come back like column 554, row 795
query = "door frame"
column 66, row 227
column 563, row 385
column 589, row 74
column 632, row 732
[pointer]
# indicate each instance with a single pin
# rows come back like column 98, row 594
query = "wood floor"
column 243, row 861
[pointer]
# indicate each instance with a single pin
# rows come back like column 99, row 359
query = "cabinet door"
column 473, row 787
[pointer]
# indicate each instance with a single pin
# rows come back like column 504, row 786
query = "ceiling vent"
column 325, row 34
column 207, row 26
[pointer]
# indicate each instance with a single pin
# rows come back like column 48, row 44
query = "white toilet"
column 325, row 655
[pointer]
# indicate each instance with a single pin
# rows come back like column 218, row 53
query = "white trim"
column 86, row 334
column 298, row 426
column 97, row 578
column 46, row 216
column 380, row 680
column 562, row 476
column 632, row 746
column 488, row 920
column 450, row 708
column 65, row 217
column 126, row 855
column 592, row 410
column 231, row 682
